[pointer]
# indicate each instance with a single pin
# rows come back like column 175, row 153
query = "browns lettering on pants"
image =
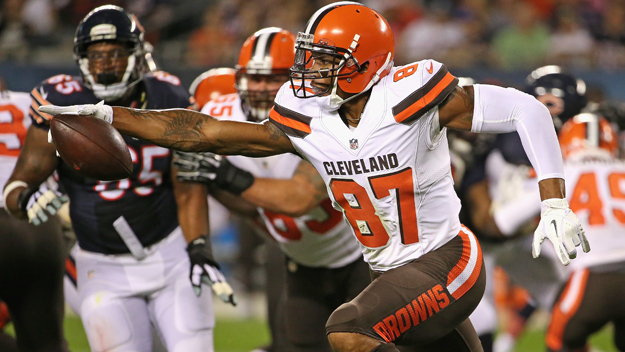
column 424, row 303
column 588, row 302
column 31, row 281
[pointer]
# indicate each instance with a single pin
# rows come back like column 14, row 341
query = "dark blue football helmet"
column 562, row 93
column 110, row 23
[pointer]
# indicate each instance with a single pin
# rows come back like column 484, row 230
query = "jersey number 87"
column 361, row 213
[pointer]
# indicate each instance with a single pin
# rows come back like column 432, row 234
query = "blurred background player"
column 253, row 249
column 324, row 266
column 210, row 85
column 502, row 182
column 31, row 257
column 132, row 268
column 213, row 83
column 592, row 296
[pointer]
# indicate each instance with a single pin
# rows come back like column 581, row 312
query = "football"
column 91, row 146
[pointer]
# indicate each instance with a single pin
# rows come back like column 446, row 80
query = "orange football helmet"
column 266, row 56
column 213, row 83
column 588, row 134
column 353, row 33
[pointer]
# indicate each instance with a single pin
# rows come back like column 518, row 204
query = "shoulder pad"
column 165, row 91
column 291, row 114
column 418, row 88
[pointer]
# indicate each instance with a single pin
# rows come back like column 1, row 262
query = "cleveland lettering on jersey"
column 361, row 166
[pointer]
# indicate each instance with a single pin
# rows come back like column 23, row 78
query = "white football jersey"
column 318, row 239
column 14, row 123
column 596, row 193
column 391, row 175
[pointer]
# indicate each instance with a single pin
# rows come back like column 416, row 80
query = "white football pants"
column 121, row 297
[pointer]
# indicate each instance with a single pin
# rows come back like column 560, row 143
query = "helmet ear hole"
column 364, row 67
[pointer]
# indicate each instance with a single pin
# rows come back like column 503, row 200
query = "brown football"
column 91, row 146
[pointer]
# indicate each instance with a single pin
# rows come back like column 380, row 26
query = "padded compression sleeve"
column 501, row 110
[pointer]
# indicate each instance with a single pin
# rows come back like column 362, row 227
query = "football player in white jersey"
column 593, row 295
column 376, row 135
column 325, row 266
column 31, row 257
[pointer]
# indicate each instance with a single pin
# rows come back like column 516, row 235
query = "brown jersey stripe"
column 290, row 126
column 426, row 97
column 293, row 115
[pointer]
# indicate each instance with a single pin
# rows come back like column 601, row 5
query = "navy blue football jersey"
column 145, row 199
column 510, row 147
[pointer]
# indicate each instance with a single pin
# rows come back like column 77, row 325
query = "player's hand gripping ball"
column 91, row 146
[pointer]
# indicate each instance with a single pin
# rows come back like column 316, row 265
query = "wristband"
column 10, row 188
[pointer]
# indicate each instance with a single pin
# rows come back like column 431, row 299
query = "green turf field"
column 245, row 335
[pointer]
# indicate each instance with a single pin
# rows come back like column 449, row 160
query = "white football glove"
column 99, row 110
column 560, row 225
column 39, row 202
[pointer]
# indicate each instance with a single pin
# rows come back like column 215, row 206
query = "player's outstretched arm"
column 193, row 131
column 485, row 108
column 192, row 202
column 294, row 197
column 187, row 130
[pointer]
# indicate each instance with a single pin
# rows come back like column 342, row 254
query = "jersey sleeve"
column 290, row 116
column 61, row 90
column 39, row 98
column 165, row 91
column 433, row 83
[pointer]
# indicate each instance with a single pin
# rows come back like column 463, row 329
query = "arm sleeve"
column 500, row 110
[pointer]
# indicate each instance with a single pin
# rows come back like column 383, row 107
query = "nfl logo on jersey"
column 353, row 143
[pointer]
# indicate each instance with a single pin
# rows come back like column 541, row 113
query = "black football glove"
column 204, row 269
column 213, row 170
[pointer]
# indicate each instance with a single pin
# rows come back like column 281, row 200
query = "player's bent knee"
column 345, row 314
column 106, row 322
column 352, row 342
column 385, row 347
